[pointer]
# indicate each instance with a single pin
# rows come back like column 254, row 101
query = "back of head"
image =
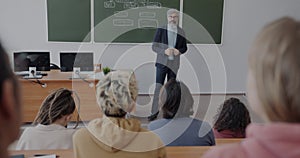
column 274, row 64
column 117, row 93
column 6, row 72
column 10, row 105
column 232, row 115
column 176, row 100
column 56, row 105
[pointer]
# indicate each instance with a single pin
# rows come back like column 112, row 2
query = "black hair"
column 176, row 100
column 232, row 115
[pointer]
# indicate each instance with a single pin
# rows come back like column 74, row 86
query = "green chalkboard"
column 202, row 21
column 69, row 20
column 129, row 21
column 132, row 21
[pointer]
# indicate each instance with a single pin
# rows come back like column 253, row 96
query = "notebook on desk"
column 18, row 156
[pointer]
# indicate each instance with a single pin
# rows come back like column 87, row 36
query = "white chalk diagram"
column 123, row 22
column 109, row 4
column 147, row 19
column 144, row 23
column 153, row 5
column 122, row 18
column 147, row 14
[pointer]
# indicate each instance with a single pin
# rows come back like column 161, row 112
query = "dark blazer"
column 160, row 44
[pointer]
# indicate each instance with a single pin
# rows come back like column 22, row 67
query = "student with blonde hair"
column 10, row 105
column 273, row 89
column 51, row 121
column 114, row 135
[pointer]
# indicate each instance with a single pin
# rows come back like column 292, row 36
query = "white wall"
column 23, row 26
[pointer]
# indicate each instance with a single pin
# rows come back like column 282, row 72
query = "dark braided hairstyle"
column 56, row 105
column 232, row 115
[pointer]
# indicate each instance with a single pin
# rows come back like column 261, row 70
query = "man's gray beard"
column 172, row 25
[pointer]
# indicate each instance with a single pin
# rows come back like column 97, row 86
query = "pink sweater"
column 276, row 140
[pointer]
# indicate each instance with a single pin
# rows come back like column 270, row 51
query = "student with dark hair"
column 10, row 105
column 177, row 128
column 51, row 121
column 232, row 119
column 273, row 92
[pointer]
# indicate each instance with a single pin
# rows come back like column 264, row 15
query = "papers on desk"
column 44, row 156
column 36, row 156
column 17, row 156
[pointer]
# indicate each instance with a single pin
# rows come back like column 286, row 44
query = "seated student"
column 273, row 93
column 50, row 131
column 10, row 105
column 231, row 120
column 177, row 128
column 113, row 135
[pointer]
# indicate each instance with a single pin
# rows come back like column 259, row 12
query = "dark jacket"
column 160, row 44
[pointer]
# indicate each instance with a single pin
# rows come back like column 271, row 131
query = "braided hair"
column 232, row 115
column 56, row 105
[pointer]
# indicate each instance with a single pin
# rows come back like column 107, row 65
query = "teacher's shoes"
column 153, row 116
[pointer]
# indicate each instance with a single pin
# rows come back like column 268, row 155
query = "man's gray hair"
column 172, row 11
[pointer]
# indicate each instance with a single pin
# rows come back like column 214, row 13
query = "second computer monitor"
column 84, row 60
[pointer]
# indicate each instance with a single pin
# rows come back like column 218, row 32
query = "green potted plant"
column 106, row 70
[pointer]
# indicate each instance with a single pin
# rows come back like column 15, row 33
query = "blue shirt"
column 183, row 132
column 172, row 36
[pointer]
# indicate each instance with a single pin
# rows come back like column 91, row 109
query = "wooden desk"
column 186, row 151
column 220, row 141
column 172, row 152
column 33, row 94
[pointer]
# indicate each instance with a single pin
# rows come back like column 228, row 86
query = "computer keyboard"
column 26, row 73
column 33, row 77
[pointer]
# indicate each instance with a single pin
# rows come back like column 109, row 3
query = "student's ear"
column 68, row 117
column 8, row 104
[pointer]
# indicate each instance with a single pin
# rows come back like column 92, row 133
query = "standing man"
column 169, row 43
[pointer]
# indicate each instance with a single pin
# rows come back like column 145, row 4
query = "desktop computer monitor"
column 84, row 60
column 24, row 60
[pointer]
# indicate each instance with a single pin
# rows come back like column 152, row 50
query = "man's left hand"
column 176, row 52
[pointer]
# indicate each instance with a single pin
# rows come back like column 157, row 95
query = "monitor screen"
column 24, row 60
column 83, row 60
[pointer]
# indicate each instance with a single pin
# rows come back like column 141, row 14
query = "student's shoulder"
column 200, row 122
column 157, row 124
column 81, row 133
column 70, row 131
column 29, row 130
